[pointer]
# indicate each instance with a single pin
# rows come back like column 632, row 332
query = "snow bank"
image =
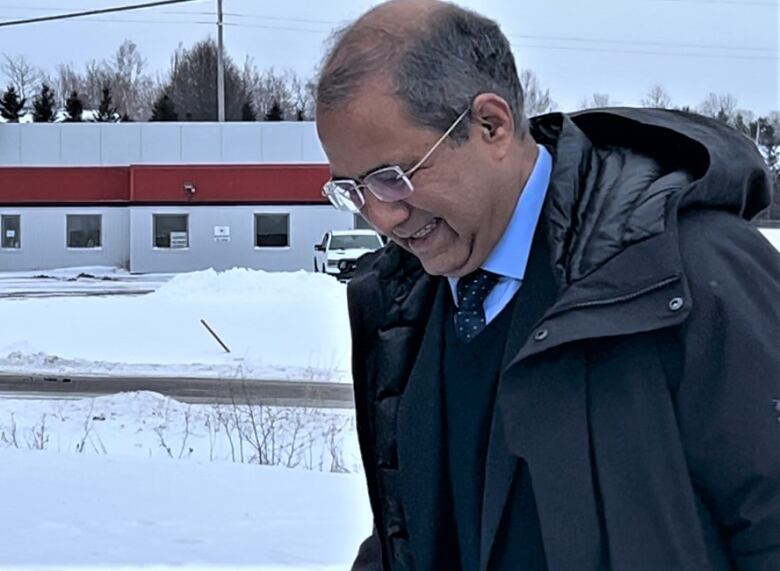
column 276, row 325
column 242, row 284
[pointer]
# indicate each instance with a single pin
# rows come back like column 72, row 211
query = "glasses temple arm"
column 436, row 144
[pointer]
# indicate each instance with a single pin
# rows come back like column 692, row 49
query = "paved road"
column 269, row 392
column 23, row 294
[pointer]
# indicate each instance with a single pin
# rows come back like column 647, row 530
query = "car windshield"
column 348, row 241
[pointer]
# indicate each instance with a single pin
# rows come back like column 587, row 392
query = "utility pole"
column 220, row 67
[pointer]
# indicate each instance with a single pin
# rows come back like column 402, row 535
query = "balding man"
column 566, row 358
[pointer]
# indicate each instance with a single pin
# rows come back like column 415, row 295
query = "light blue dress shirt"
column 509, row 258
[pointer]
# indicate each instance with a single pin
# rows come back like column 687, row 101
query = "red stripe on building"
column 252, row 183
column 64, row 184
column 164, row 184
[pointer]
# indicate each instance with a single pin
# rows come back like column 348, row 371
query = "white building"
column 163, row 197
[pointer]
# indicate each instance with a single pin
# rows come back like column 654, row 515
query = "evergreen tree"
column 164, row 109
column 11, row 105
column 274, row 113
column 73, row 108
column 248, row 112
column 43, row 105
column 106, row 110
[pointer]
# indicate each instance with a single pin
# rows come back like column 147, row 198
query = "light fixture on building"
column 189, row 188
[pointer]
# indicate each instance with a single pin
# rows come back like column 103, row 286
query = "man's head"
column 394, row 83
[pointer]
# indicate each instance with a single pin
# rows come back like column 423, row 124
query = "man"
column 567, row 358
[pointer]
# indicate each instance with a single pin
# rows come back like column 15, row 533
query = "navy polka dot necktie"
column 472, row 290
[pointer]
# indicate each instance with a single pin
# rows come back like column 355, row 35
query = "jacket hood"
column 622, row 175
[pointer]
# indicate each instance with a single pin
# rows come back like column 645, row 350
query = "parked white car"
column 340, row 249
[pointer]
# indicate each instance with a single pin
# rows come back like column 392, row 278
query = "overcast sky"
column 576, row 47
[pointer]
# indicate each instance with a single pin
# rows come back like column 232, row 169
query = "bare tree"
column 657, row 97
column 536, row 100
column 66, row 81
column 597, row 100
column 273, row 93
column 302, row 92
column 97, row 75
column 721, row 106
column 133, row 90
column 18, row 72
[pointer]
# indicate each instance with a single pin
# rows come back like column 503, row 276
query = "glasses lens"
column 389, row 185
column 344, row 195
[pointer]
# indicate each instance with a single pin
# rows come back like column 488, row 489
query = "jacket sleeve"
column 369, row 557
column 727, row 399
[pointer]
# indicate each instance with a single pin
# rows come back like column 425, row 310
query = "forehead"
column 370, row 131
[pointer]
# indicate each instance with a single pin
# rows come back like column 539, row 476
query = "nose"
column 385, row 216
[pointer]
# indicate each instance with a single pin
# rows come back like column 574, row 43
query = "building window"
column 272, row 230
column 83, row 230
column 171, row 231
column 10, row 226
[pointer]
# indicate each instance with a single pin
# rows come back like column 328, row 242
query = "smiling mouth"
column 425, row 230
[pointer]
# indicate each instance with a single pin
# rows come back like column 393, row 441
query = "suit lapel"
column 420, row 446
column 536, row 295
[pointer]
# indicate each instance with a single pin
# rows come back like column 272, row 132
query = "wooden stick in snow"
column 210, row 330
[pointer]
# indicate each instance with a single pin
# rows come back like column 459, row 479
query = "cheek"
column 457, row 203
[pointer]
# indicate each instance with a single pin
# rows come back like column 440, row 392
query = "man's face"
column 447, row 221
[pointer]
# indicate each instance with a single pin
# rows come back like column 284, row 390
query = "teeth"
column 425, row 230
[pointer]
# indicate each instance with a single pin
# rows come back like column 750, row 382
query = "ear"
column 493, row 117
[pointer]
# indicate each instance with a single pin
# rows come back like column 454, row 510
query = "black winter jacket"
column 645, row 403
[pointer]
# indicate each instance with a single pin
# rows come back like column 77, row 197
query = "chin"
column 446, row 268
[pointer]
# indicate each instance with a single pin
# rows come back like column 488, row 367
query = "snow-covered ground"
column 276, row 325
column 138, row 480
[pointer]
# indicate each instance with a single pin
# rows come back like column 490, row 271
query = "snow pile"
column 276, row 325
column 251, row 286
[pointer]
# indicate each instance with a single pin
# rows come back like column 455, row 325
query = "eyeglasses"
column 388, row 184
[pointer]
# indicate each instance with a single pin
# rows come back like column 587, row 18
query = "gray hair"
column 436, row 68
